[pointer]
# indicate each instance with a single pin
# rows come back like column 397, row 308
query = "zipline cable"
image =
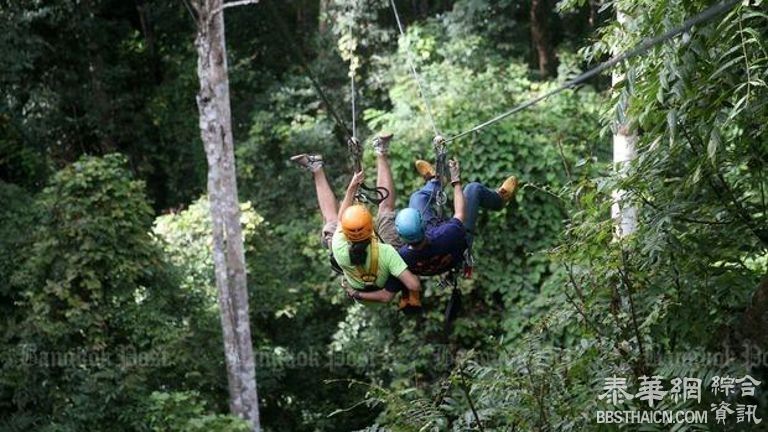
column 416, row 76
column 639, row 49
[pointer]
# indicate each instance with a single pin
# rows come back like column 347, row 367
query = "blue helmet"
column 409, row 225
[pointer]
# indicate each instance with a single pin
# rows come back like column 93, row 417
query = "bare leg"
column 325, row 197
column 384, row 179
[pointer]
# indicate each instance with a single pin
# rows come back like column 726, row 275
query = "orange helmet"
column 357, row 223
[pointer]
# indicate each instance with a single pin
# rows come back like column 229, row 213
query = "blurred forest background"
column 109, row 314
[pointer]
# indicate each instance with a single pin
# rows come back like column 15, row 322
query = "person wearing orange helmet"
column 361, row 248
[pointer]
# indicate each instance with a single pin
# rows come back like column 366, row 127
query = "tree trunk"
column 624, row 216
column 102, row 104
column 148, row 29
column 228, row 255
column 323, row 16
column 542, row 38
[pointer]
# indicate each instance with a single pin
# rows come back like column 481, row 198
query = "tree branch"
column 683, row 218
column 738, row 208
column 465, row 388
column 624, row 275
column 580, row 307
column 233, row 4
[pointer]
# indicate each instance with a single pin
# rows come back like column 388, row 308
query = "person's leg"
column 384, row 180
column 328, row 207
column 477, row 196
column 425, row 198
column 326, row 199
column 385, row 219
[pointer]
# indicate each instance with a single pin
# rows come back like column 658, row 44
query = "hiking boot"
column 508, row 189
column 311, row 162
column 425, row 170
column 381, row 144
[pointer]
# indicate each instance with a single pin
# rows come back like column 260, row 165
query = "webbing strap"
column 370, row 274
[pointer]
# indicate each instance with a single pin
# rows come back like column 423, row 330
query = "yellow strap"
column 371, row 274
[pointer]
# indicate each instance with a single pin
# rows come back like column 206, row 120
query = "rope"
column 305, row 65
column 367, row 194
column 416, row 76
column 641, row 48
column 352, row 83
column 354, row 109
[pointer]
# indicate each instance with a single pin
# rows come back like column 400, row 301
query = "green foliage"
column 184, row 412
column 594, row 307
column 17, row 214
column 514, row 278
column 675, row 294
column 290, row 322
column 91, row 250
column 112, row 323
column 97, row 321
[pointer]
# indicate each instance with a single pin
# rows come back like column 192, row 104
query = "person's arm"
column 380, row 296
column 349, row 197
column 410, row 281
column 458, row 194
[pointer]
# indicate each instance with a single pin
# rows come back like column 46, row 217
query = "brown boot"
column 410, row 302
column 425, row 169
column 508, row 189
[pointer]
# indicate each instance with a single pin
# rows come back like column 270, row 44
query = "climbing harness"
column 441, row 172
column 370, row 274
column 640, row 48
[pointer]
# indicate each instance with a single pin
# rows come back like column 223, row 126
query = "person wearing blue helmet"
column 434, row 246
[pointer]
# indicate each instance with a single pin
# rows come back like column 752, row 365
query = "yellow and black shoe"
column 425, row 170
column 508, row 189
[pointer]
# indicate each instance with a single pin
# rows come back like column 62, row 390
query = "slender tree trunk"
column 323, row 16
column 424, row 8
column 228, row 254
column 624, row 216
column 102, row 103
column 593, row 13
column 542, row 38
column 148, row 29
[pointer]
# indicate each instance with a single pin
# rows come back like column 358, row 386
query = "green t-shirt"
column 390, row 262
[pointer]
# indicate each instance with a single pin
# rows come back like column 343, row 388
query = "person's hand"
column 357, row 179
column 453, row 167
column 352, row 294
